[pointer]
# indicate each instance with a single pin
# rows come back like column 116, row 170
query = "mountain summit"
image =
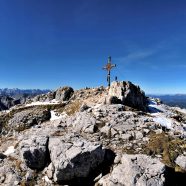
column 100, row 136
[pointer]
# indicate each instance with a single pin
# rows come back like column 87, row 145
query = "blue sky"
column 52, row 43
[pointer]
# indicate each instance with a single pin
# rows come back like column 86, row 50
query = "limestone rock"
column 8, row 177
column 6, row 102
column 112, row 100
column 84, row 107
column 64, row 93
column 34, row 151
column 27, row 118
column 74, row 157
column 45, row 97
column 129, row 94
column 181, row 161
column 82, row 122
column 136, row 170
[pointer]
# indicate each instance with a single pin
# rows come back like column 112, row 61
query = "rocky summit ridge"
column 100, row 136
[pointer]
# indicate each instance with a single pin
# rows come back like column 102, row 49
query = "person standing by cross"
column 108, row 67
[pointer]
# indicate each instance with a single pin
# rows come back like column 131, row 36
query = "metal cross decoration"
column 108, row 67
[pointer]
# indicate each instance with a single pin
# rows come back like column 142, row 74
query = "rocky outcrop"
column 74, row 157
column 34, row 151
column 7, row 102
column 129, row 94
column 45, row 97
column 27, row 118
column 64, row 93
column 136, row 170
column 61, row 94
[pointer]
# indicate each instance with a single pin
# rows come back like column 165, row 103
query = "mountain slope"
column 100, row 136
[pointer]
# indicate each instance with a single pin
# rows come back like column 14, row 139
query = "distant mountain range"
column 11, row 97
column 16, row 92
column 172, row 100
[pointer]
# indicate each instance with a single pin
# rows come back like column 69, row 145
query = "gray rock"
column 136, row 170
column 126, row 136
column 106, row 130
column 50, row 171
column 7, row 102
column 129, row 94
column 112, row 100
column 181, row 161
column 34, row 151
column 29, row 175
column 138, row 135
column 45, row 97
column 8, row 176
column 82, row 122
column 71, row 160
column 84, row 107
column 27, row 118
column 64, row 93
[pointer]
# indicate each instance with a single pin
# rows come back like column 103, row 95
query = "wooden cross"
column 108, row 67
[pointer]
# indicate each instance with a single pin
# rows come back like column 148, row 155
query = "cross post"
column 108, row 67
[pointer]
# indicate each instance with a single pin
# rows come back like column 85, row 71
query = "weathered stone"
column 84, row 107
column 136, row 170
column 181, row 161
column 34, row 151
column 71, row 161
column 126, row 136
column 129, row 94
column 29, row 175
column 138, row 135
column 112, row 100
column 27, row 118
column 45, row 97
column 64, row 93
column 106, row 130
column 82, row 122
column 50, row 171
column 8, row 175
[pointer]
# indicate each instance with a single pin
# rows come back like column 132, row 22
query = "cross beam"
column 108, row 67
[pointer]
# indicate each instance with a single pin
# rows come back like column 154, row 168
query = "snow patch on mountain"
column 55, row 116
column 52, row 102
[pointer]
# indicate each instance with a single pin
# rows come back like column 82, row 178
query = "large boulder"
column 74, row 157
column 136, row 170
column 129, row 94
column 64, row 93
column 27, row 118
column 34, row 151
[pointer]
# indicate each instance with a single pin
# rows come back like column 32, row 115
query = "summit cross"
column 108, row 67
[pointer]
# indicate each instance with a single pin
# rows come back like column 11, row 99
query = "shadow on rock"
column 173, row 178
column 153, row 110
column 94, row 175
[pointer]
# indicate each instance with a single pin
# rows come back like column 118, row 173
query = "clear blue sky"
column 51, row 43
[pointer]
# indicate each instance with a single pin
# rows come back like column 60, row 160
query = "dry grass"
column 73, row 107
column 166, row 146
